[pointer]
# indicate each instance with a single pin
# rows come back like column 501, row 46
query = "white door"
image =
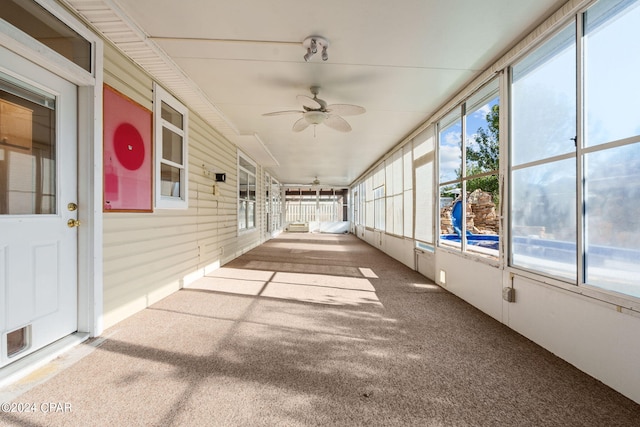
column 38, row 235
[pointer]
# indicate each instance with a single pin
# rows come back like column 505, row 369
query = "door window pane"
column 27, row 153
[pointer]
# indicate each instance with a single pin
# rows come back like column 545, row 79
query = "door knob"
column 73, row 223
column 72, row 207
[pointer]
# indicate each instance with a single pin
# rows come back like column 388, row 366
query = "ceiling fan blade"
column 309, row 102
column 300, row 125
column 278, row 113
column 337, row 123
column 345, row 109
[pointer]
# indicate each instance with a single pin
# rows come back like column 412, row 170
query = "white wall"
column 148, row 256
column 472, row 280
column 598, row 338
column 396, row 247
column 426, row 264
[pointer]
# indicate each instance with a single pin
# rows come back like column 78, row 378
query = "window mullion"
column 173, row 128
column 170, row 163
column 579, row 140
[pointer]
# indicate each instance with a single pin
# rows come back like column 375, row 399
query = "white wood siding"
column 147, row 256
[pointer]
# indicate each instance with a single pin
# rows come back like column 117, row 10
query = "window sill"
column 172, row 204
column 621, row 303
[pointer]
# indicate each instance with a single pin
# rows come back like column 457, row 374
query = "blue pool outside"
column 608, row 267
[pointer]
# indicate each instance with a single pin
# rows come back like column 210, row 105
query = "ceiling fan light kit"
column 316, row 111
column 312, row 44
column 315, row 117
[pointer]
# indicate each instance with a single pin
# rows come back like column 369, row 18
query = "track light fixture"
column 312, row 43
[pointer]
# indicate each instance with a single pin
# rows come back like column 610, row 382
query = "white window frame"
column 254, row 173
column 160, row 95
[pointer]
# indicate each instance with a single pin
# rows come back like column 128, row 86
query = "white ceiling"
column 401, row 60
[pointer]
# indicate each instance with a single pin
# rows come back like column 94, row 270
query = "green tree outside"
column 485, row 157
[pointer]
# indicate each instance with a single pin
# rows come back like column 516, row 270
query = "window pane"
column 171, row 146
column 379, row 207
column 251, row 214
column 408, row 214
column 242, row 215
column 612, row 31
column 169, row 181
column 398, row 216
column 450, row 231
column 27, row 154
column 388, row 180
column 424, row 203
column 247, row 165
column 36, row 21
column 397, row 173
column 172, row 116
column 450, row 153
column 252, row 187
column 243, row 178
column 612, row 224
column 369, row 214
column 424, row 142
column 544, row 100
column 482, row 140
column 407, row 168
column 543, row 218
column 483, row 207
column 389, row 215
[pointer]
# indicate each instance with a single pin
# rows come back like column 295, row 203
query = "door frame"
column 90, row 282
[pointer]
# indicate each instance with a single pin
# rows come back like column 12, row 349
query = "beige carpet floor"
column 318, row 330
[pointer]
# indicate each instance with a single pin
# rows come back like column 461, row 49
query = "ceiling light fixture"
column 315, row 117
column 312, row 43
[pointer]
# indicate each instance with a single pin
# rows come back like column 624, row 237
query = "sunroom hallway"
column 317, row 330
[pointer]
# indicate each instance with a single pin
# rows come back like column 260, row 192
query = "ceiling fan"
column 316, row 111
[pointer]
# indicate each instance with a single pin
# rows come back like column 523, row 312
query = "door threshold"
column 22, row 375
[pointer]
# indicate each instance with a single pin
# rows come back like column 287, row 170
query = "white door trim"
column 90, row 282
